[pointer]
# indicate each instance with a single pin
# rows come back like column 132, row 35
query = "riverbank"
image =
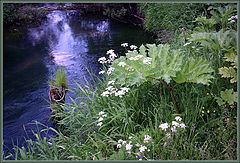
column 30, row 61
column 156, row 102
column 17, row 15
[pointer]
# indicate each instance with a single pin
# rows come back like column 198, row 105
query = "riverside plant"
column 157, row 63
column 58, row 89
column 143, row 145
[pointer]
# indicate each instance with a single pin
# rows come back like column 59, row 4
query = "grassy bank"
column 130, row 112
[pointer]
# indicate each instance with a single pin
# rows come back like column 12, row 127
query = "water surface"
column 67, row 40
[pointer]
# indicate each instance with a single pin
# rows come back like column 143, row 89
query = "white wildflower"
column 137, row 145
column 168, row 135
column 165, row 144
column 100, row 119
column 177, row 118
column 104, row 115
column 187, row 43
column 182, row 125
column 111, row 89
column 119, row 145
column 105, row 94
column 125, row 89
column 112, row 56
column 129, row 68
column 142, row 148
column 101, row 113
column 101, row 72
column 110, row 70
column 111, row 82
column 147, row 138
column 164, row 126
column 174, row 123
column 135, row 58
column 129, row 146
column 124, row 142
column 148, row 150
column 122, row 64
column 232, row 21
column 111, row 51
column 174, row 129
column 147, row 61
column 99, row 124
column 130, row 137
column 120, row 93
column 133, row 47
column 132, row 59
column 120, row 141
column 124, row 44
column 102, row 60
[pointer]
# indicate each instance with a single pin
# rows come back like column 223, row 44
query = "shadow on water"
column 66, row 39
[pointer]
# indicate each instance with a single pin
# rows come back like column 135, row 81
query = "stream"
column 66, row 39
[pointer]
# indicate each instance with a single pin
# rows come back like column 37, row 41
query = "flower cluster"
column 173, row 126
column 133, row 47
column 147, row 61
column 112, row 57
column 136, row 149
column 232, row 19
column 100, row 118
column 124, row 44
column 122, row 64
column 117, row 92
column 135, row 58
column 110, row 70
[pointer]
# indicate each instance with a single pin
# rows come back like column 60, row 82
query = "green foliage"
column 161, row 16
column 218, row 42
column 228, row 72
column 165, row 65
column 208, row 136
column 195, row 71
column 23, row 14
column 115, row 13
column 207, row 24
column 221, row 15
column 217, row 18
column 60, row 79
column 227, row 96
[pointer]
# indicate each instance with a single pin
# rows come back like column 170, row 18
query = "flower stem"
column 171, row 93
column 174, row 101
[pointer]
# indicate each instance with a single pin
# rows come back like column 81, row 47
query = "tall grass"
column 138, row 113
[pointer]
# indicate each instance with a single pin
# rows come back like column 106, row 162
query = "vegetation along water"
column 120, row 81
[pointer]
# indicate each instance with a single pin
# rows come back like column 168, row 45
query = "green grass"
column 138, row 113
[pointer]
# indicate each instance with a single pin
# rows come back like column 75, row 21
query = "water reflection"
column 66, row 39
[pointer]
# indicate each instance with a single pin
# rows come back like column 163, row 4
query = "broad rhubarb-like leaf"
column 228, row 72
column 195, row 71
column 158, row 62
column 227, row 96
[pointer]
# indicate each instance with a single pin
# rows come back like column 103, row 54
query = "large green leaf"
column 217, row 41
column 228, row 72
column 165, row 65
column 195, row 71
column 227, row 96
